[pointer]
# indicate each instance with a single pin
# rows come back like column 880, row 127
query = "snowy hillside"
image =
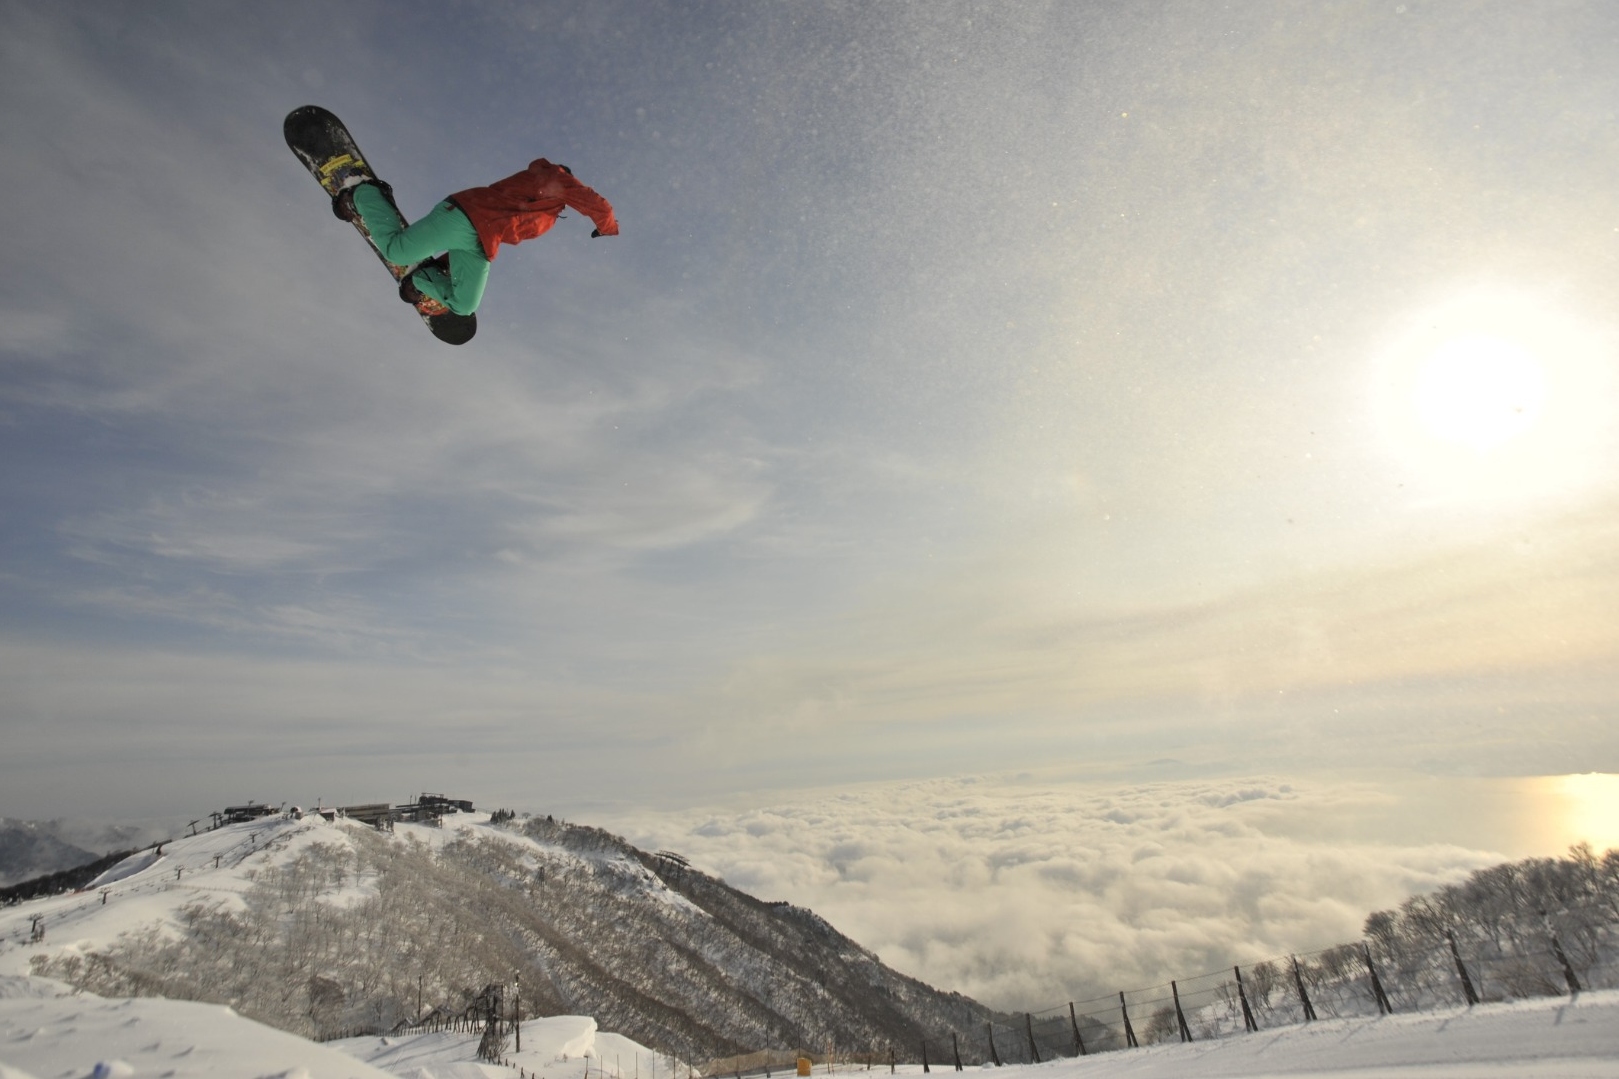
column 558, row 1045
column 43, row 1034
column 47, row 1030
column 325, row 928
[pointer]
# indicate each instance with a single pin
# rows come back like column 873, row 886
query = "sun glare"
column 1590, row 808
column 1479, row 392
column 1495, row 396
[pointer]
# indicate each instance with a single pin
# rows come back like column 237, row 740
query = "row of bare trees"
column 1539, row 927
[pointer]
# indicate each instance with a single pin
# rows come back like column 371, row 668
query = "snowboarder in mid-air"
column 469, row 227
column 442, row 261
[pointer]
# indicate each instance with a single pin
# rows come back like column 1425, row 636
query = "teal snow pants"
column 445, row 229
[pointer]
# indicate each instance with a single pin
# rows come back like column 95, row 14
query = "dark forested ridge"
column 780, row 976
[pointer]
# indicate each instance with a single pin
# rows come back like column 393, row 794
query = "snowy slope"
column 562, row 1045
column 149, row 889
column 44, row 1035
column 1541, row 1039
column 1537, row 1039
column 47, row 1030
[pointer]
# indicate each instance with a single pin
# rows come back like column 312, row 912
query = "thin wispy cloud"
column 1510, row 623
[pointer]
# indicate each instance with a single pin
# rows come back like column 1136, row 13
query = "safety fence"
column 1363, row 979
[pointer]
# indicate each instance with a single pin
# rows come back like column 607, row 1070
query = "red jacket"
column 526, row 205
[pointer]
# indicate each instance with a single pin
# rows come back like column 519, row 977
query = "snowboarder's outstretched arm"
column 526, row 205
column 580, row 197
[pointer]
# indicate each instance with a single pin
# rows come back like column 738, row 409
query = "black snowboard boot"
column 407, row 285
column 343, row 202
column 343, row 205
column 408, row 290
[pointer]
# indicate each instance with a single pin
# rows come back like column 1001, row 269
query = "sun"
column 1479, row 391
column 1494, row 396
column 1591, row 808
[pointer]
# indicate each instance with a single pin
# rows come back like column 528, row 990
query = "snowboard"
column 327, row 150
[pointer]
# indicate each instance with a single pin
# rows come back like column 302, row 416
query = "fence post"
column 1180, row 1016
column 1247, row 1013
column 1129, row 1031
column 925, row 1068
column 994, row 1054
column 1079, row 1043
column 955, row 1049
column 1028, row 1025
column 1467, row 983
column 1298, row 980
column 890, row 1060
column 1383, row 1005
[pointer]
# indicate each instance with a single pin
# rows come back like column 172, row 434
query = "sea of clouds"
column 1025, row 894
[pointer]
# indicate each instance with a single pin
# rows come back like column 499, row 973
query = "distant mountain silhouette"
column 29, row 850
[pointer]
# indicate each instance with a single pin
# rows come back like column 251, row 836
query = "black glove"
column 595, row 233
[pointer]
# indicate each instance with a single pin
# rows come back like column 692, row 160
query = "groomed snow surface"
column 47, row 1036
column 48, row 1032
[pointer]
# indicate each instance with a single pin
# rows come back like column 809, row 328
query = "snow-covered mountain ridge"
column 321, row 928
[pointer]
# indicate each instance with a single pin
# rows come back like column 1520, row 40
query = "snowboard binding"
column 415, row 296
column 343, row 207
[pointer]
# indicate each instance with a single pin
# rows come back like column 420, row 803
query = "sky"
column 1111, row 394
